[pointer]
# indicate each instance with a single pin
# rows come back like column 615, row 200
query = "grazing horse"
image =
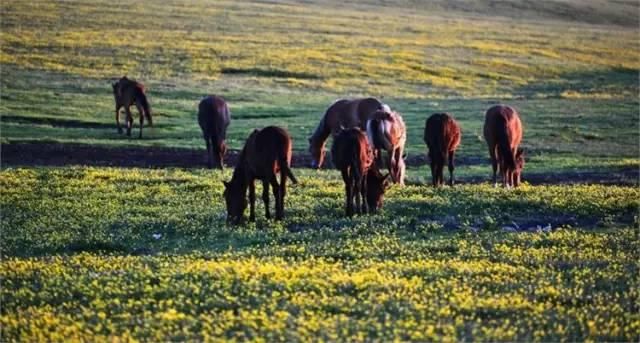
column 130, row 92
column 386, row 131
column 351, row 154
column 442, row 136
column 214, row 117
column 342, row 113
column 266, row 152
column 503, row 133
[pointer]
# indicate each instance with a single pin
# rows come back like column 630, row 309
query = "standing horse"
column 442, row 136
column 352, row 155
column 503, row 133
column 130, row 92
column 214, row 118
column 386, row 131
column 265, row 153
column 342, row 113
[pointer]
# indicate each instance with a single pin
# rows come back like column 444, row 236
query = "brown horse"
column 503, row 133
column 214, row 118
column 342, row 113
column 130, row 92
column 442, row 136
column 266, row 152
column 352, row 155
column 386, row 131
column 376, row 184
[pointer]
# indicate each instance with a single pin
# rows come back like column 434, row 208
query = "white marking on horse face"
column 386, row 108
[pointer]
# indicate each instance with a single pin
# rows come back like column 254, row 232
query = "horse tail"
column 503, row 140
column 141, row 98
column 285, row 170
column 377, row 132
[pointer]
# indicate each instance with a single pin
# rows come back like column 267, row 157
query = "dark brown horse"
column 387, row 132
column 503, row 133
column 130, row 92
column 266, row 153
column 442, row 136
column 376, row 184
column 214, row 118
column 342, row 113
column 351, row 154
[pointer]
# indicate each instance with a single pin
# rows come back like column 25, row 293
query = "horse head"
column 376, row 186
column 236, row 202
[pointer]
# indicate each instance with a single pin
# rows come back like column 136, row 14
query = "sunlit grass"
column 434, row 265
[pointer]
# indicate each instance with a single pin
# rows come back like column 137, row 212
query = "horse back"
column 265, row 149
column 503, row 120
column 350, row 113
column 349, row 146
column 442, row 131
column 213, row 116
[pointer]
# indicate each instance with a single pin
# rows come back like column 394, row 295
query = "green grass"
column 435, row 264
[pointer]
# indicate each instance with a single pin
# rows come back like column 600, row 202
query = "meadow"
column 97, row 253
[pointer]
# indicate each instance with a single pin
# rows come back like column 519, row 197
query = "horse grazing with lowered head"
column 503, row 133
column 442, row 136
column 386, row 131
column 130, row 92
column 214, row 118
column 351, row 154
column 266, row 153
column 343, row 113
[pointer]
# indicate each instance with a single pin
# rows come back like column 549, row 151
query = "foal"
column 503, row 133
column 214, row 118
column 352, row 155
column 130, row 92
column 442, row 136
column 266, row 152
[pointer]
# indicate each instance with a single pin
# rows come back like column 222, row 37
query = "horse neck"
column 239, row 176
column 320, row 135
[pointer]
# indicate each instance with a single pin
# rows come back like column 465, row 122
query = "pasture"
column 94, row 252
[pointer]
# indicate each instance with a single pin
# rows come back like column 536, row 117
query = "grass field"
column 92, row 253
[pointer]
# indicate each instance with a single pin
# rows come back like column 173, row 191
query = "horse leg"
column 207, row 140
column 434, row 168
column 283, row 189
column 357, row 188
column 494, row 165
column 276, row 194
column 399, row 167
column 363, row 192
column 265, row 198
column 252, row 201
column 129, row 120
column 452, row 166
column 141, row 113
column 118, row 119
column 347, row 189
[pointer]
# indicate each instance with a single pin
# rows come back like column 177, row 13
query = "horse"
column 503, row 133
column 442, row 136
column 214, row 118
column 351, row 154
column 266, row 153
column 376, row 184
column 342, row 113
column 129, row 92
column 386, row 131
